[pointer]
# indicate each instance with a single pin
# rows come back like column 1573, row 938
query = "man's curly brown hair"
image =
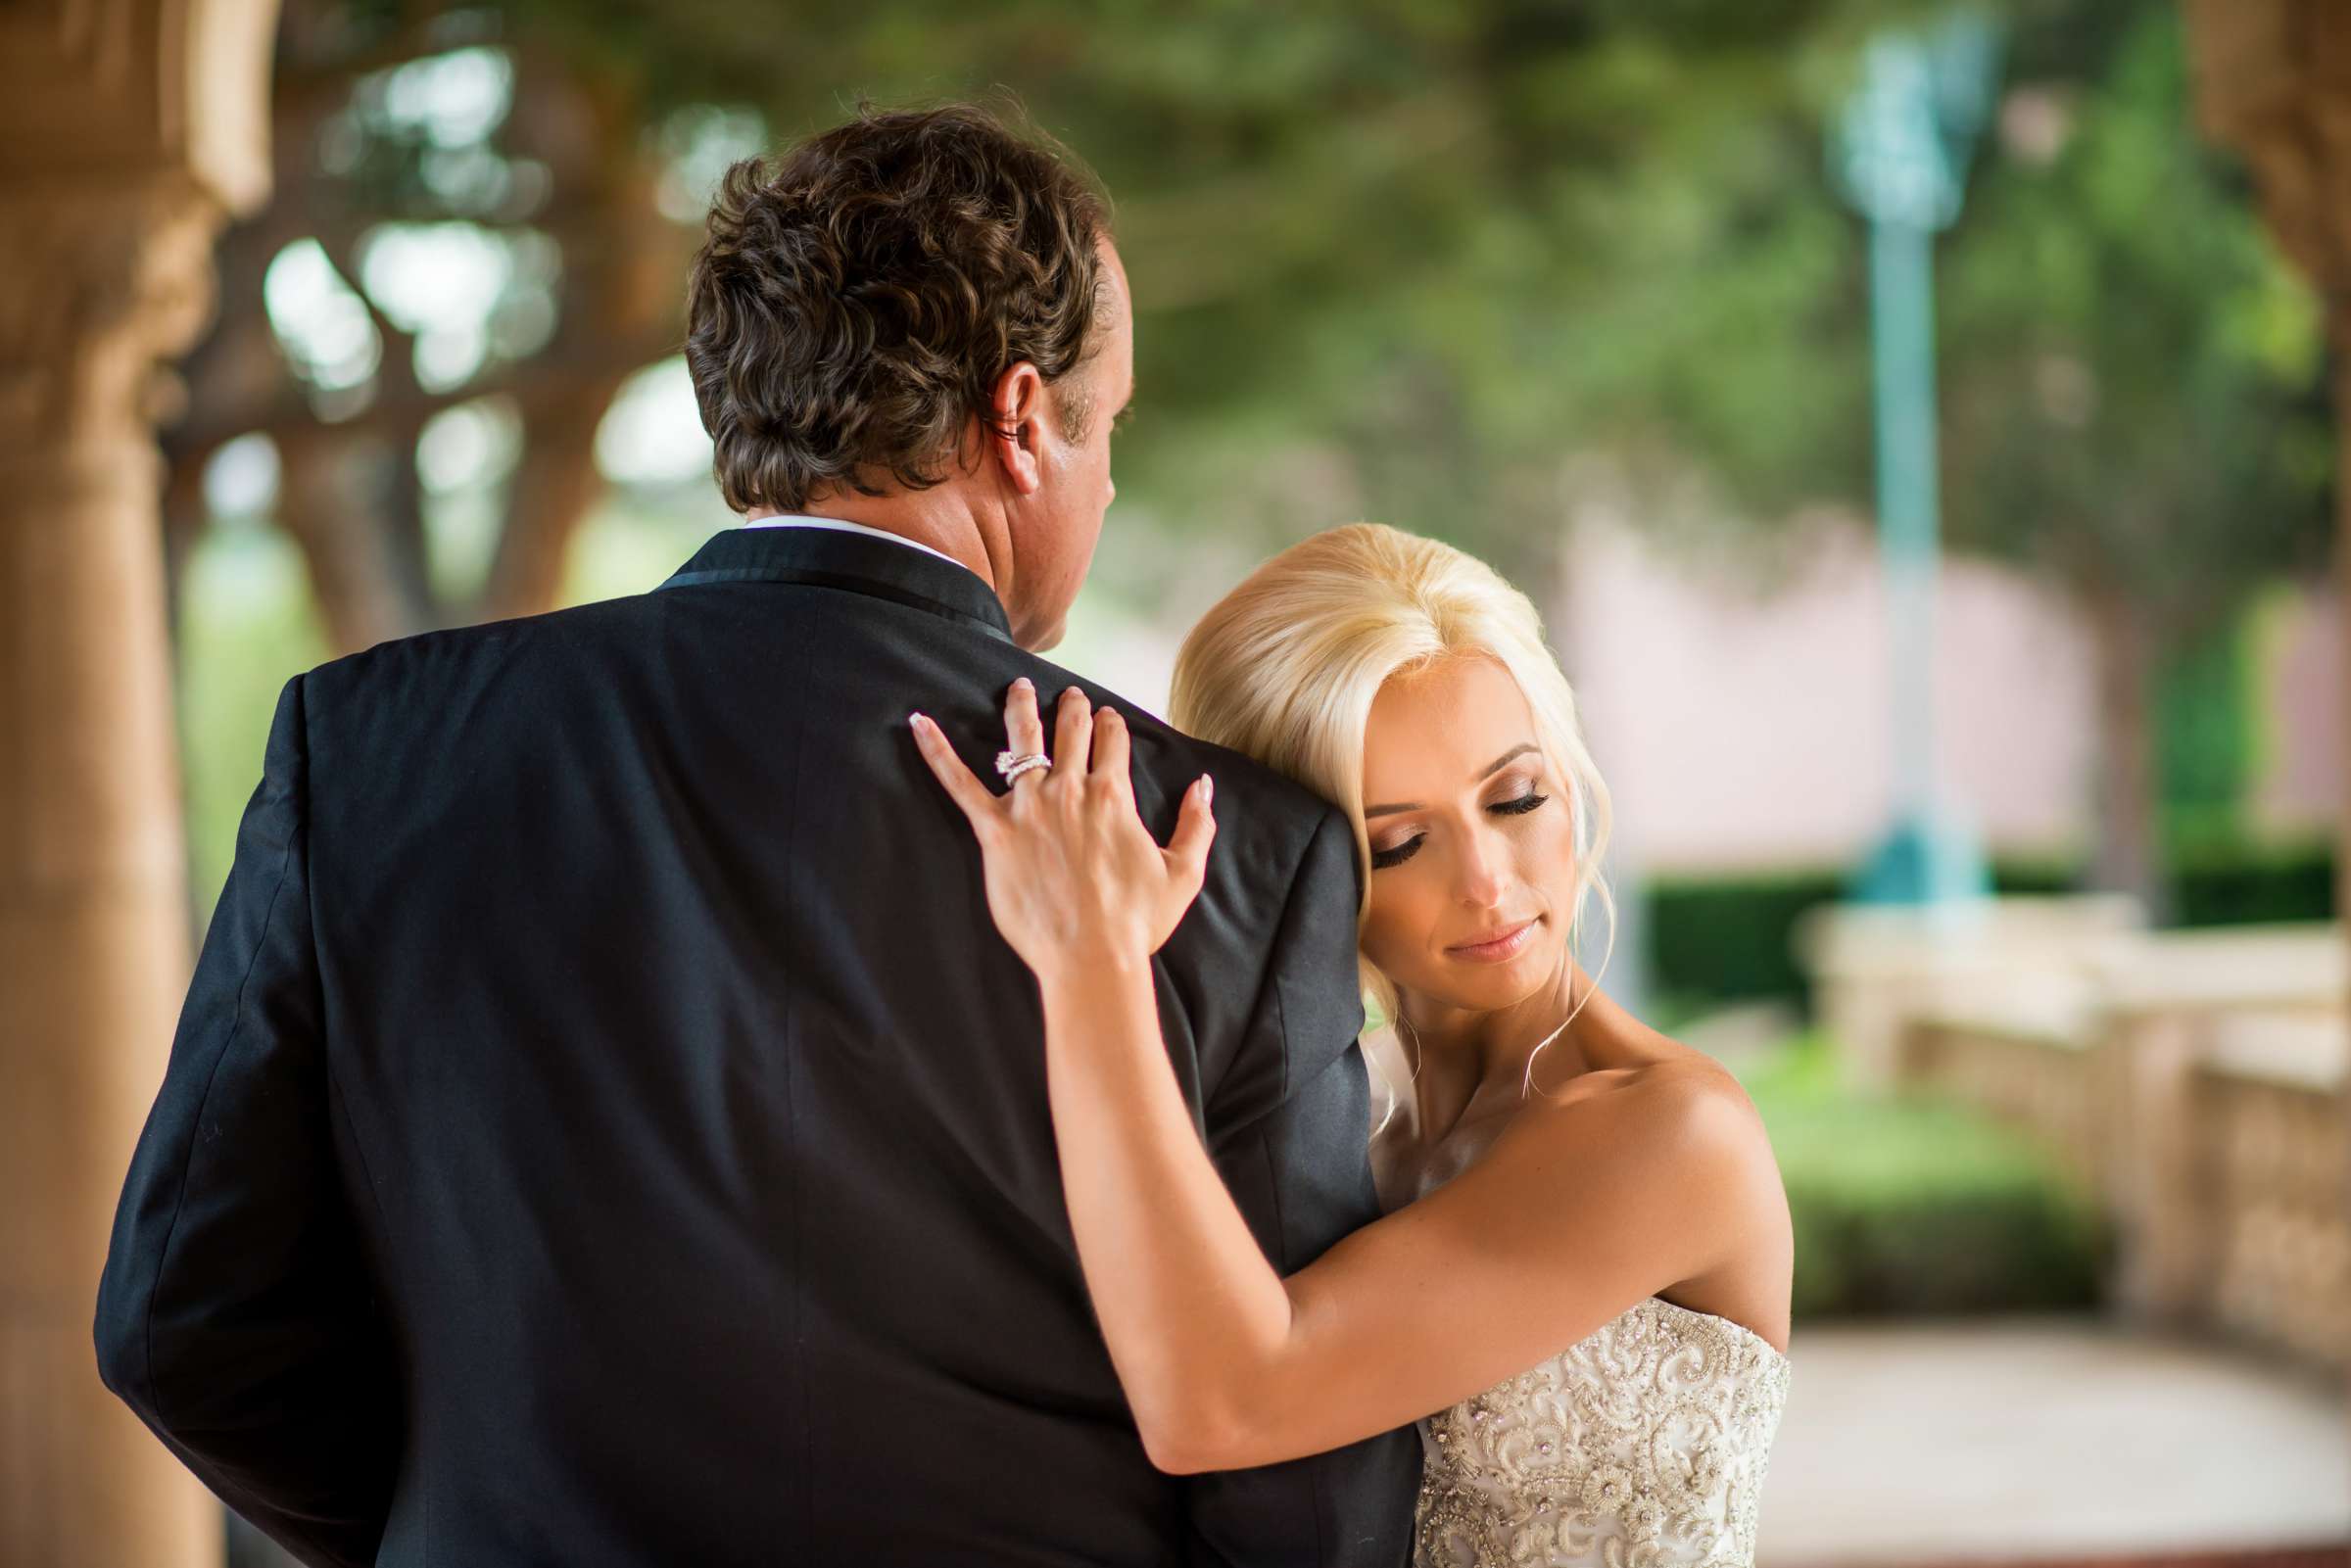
column 859, row 298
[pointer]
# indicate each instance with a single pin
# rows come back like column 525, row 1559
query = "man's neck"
column 952, row 533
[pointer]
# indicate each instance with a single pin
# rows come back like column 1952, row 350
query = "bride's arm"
column 1580, row 1210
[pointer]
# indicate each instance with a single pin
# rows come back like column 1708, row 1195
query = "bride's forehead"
column 1436, row 726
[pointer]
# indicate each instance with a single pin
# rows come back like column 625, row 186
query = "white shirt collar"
column 795, row 520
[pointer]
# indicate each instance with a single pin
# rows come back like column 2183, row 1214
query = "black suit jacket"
column 605, row 1126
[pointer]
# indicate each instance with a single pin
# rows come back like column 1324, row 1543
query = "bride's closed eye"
column 1397, row 854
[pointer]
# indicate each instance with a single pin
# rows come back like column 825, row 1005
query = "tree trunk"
column 622, row 265
column 556, row 485
column 323, row 501
column 2127, row 852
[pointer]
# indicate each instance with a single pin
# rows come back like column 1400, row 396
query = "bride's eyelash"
column 1397, row 854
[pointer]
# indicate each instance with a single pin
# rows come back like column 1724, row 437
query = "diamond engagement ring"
column 1012, row 763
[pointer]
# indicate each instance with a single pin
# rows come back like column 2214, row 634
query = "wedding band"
column 1012, row 763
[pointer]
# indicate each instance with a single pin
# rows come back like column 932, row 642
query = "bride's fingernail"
column 1023, row 684
column 917, row 720
column 1208, row 789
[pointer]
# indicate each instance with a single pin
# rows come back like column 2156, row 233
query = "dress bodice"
column 1644, row 1445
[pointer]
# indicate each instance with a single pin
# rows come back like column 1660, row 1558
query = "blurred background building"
column 329, row 321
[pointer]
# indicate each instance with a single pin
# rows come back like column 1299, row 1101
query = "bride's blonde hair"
column 1284, row 668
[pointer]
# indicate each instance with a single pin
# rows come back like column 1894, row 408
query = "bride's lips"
column 1507, row 943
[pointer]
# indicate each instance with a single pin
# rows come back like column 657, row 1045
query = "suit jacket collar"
column 831, row 558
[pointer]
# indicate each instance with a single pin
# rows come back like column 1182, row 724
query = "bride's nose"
column 1484, row 872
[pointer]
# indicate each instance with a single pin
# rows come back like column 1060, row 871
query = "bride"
column 1584, row 1268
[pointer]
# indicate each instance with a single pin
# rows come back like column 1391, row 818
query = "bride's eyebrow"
column 1488, row 772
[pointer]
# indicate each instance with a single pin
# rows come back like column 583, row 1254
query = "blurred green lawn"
column 1911, row 1205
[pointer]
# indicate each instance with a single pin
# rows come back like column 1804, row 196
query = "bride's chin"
column 1527, row 975
column 1505, row 985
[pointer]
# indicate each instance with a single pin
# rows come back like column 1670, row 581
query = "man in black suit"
column 605, row 1126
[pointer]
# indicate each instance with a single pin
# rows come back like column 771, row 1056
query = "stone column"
column 128, row 129
column 93, row 923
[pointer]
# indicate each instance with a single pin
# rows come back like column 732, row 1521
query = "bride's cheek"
column 1548, row 858
column 1380, row 942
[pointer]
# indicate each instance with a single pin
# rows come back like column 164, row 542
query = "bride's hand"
column 1074, row 876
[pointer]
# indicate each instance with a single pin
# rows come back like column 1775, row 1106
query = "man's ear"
column 1016, row 408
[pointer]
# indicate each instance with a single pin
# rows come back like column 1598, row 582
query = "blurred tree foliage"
column 2138, row 404
column 1438, row 261
column 1393, row 258
column 1428, row 262
column 419, row 153
column 1401, row 258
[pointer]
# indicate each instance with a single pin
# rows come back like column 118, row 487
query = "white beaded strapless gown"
column 1642, row 1447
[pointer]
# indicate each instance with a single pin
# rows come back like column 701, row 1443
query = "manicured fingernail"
column 917, row 720
column 1021, row 683
column 1208, row 789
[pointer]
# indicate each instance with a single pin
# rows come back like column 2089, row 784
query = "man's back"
column 661, row 1078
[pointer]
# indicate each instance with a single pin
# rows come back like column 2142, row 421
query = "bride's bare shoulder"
column 1671, row 1152
column 1673, row 1102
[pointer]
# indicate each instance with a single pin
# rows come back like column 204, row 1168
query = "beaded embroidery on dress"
column 1642, row 1447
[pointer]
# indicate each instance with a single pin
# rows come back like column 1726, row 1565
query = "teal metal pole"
column 1903, row 354
column 1924, row 858
column 1902, row 143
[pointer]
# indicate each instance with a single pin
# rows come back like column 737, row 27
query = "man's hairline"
column 1097, row 339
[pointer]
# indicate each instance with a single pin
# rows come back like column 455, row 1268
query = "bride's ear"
column 1016, row 404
